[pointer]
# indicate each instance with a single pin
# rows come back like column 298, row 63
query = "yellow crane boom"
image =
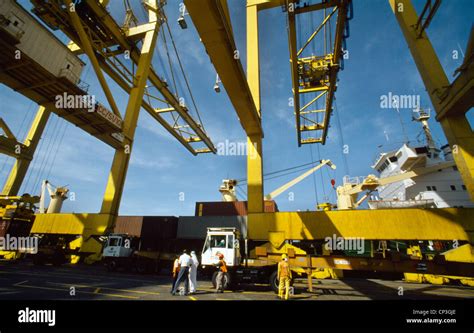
column 295, row 181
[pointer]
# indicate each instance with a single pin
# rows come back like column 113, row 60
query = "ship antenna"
column 405, row 137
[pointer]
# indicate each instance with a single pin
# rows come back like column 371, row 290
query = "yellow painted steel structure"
column 102, row 58
column 255, row 188
column 284, row 187
column 119, row 168
column 211, row 19
column 90, row 225
column 394, row 224
column 451, row 101
column 28, row 148
column 87, row 228
column 315, row 74
column 94, row 32
column 385, row 224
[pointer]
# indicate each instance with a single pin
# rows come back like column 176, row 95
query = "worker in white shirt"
column 193, row 273
column 185, row 263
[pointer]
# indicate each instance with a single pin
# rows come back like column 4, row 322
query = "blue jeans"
column 182, row 276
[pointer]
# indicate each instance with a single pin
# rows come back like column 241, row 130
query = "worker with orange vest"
column 284, row 276
column 175, row 271
column 222, row 267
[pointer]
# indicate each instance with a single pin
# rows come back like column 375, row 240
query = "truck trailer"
column 150, row 243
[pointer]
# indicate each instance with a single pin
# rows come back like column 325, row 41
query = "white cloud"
column 162, row 162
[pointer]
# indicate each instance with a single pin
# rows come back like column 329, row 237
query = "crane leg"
column 254, row 141
column 19, row 169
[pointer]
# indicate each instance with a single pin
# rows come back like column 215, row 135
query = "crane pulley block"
column 314, row 71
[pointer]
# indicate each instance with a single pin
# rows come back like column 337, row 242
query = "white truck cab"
column 119, row 246
column 221, row 241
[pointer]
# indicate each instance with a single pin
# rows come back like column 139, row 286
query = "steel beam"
column 211, row 21
column 13, row 148
column 438, row 267
column 89, row 50
column 254, row 142
column 294, row 71
column 451, row 115
column 378, row 224
column 162, row 87
column 116, row 181
column 20, row 167
column 255, row 174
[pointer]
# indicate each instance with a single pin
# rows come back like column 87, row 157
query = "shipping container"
column 155, row 232
column 169, row 233
column 229, row 208
column 129, row 225
column 38, row 43
column 195, row 227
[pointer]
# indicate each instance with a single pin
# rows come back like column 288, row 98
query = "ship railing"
column 425, row 203
column 356, row 180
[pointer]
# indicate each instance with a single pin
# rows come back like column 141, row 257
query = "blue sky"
column 161, row 170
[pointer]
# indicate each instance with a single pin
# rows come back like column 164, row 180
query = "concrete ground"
column 24, row 281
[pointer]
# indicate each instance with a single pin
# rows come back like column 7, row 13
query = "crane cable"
column 170, row 63
column 242, row 192
column 242, row 180
column 341, row 140
column 49, row 146
column 57, row 149
column 184, row 74
column 64, row 129
column 36, row 160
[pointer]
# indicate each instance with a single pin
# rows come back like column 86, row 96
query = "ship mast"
column 422, row 116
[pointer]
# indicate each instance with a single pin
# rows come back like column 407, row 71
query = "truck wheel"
column 38, row 259
column 227, row 281
column 142, row 266
column 274, row 282
column 58, row 260
column 112, row 266
column 156, row 267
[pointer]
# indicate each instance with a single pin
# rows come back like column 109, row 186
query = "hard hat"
column 221, row 256
column 284, row 256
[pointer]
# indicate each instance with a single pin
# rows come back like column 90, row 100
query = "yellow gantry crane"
column 316, row 74
column 124, row 54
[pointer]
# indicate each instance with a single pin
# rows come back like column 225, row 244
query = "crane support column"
column 450, row 101
column 19, row 169
column 212, row 21
column 254, row 174
column 254, row 141
column 116, row 181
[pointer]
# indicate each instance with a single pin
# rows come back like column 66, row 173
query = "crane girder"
column 108, row 35
column 212, row 22
column 315, row 74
